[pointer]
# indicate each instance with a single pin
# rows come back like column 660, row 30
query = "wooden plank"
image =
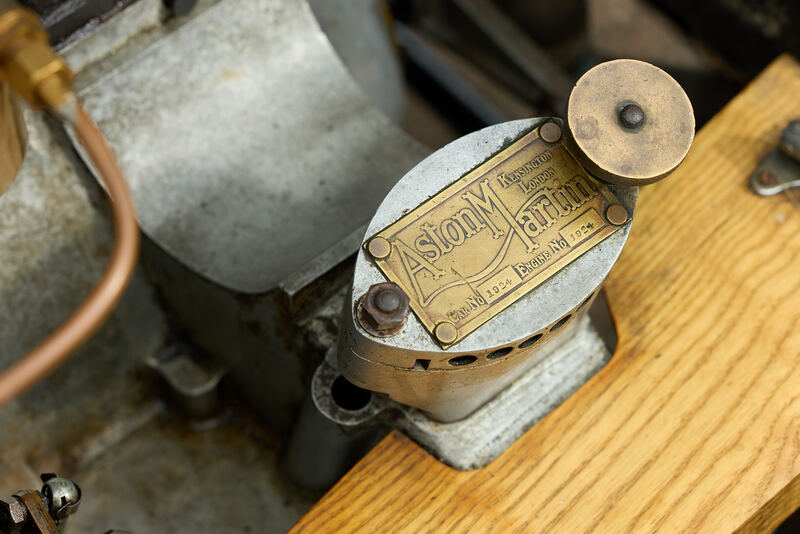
column 694, row 425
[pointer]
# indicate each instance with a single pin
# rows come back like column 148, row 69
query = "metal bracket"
column 481, row 437
column 780, row 170
column 775, row 174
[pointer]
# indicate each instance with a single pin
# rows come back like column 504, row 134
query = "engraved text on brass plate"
column 486, row 240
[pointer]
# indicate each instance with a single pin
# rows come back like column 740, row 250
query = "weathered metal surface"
column 359, row 31
column 225, row 223
column 494, row 235
column 93, row 418
column 13, row 514
column 480, row 438
column 39, row 520
column 331, row 433
column 613, row 152
column 54, row 241
column 151, row 478
column 233, row 157
column 476, row 440
column 193, row 382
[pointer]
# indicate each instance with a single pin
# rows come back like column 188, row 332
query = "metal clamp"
column 780, row 170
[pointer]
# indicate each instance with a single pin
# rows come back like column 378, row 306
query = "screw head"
column 379, row 248
column 446, row 333
column 617, row 215
column 550, row 132
column 631, row 116
column 768, row 178
column 383, row 309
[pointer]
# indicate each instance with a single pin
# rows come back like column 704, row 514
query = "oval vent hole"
column 530, row 341
column 462, row 360
column 499, row 353
column 585, row 302
column 560, row 323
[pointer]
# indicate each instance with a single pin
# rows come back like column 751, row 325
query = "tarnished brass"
column 446, row 333
column 492, row 236
column 13, row 138
column 616, row 214
column 609, row 136
column 379, row 248
column 27, row 61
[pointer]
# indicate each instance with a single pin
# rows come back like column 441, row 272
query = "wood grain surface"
column 694, row 425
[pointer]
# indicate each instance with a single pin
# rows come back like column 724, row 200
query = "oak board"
column 694, row 425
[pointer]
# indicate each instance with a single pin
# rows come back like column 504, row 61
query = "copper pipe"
column 85, row 320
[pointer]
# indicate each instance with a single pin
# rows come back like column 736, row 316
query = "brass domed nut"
column 629, row 122
column 383, row 309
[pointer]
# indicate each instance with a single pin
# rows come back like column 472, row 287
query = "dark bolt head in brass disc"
column 628, row 122
column 631, row 116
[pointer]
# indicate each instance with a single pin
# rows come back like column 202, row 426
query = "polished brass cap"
column 629, row 122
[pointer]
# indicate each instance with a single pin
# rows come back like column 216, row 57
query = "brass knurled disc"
column 613, row 152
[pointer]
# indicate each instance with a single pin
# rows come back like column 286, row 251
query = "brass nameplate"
column 489, row 238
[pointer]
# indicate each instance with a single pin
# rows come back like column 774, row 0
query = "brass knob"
column 629, row 122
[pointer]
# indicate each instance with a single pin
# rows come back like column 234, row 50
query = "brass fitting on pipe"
column 29, row 64
column 33, row 70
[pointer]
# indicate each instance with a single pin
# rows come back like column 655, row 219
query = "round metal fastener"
column 383, row 309
column 631, row 116
column 617, row 215
column 603, row 144
column 62, row 496
column 379, row 248
column 388, row 301
column 768, row 178
column 550, row 132
column 446, row 333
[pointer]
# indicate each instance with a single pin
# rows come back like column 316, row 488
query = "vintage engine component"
column 42, row 512
column 501, row 239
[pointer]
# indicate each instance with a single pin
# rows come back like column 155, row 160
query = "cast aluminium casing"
column 447, row 392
